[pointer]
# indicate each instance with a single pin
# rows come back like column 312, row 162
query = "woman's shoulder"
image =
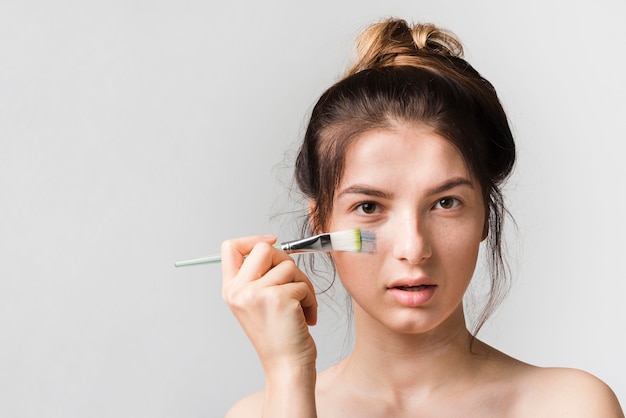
column 565, row 392
column 531, row 391
column 249, row 407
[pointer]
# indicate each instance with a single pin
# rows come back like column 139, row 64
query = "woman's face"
column 411, row 188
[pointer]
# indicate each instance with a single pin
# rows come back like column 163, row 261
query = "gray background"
column 136, row 133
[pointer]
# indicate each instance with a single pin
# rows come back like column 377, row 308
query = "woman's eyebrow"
column 364, row 190
column 451, row 184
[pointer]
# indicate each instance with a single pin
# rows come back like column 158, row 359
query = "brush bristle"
column 354, row 240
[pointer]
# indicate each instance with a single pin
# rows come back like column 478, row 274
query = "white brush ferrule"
column 308, row 245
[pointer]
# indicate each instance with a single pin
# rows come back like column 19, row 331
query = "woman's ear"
column 312, row 216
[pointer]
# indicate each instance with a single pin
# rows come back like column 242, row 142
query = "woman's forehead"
column 402, row 152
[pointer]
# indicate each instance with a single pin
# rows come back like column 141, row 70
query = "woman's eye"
column 367, row 208
column 447, row 203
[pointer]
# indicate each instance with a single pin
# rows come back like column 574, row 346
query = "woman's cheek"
column 358, row 270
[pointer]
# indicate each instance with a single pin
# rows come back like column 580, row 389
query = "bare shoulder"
column 567, row 392
column 249, row 407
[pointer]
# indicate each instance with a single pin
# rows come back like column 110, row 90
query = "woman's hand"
column 273, row 300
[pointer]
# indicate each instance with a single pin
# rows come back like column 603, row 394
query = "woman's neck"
column 393, row 365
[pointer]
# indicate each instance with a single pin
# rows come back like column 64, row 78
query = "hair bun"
column 395, row 42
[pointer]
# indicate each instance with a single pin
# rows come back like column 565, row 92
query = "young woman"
column 413, row 145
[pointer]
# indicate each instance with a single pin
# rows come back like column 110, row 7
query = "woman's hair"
column 412, row 75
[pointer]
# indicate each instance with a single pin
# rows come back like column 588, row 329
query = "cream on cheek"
column 364, row 272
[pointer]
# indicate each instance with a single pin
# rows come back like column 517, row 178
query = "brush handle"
column 306, row 245
column 314, row 244
column 216, row 258
column 212, row 259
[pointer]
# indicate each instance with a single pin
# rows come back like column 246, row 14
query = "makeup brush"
column 351, row 240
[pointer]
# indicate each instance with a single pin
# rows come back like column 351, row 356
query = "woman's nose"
column 411, row 241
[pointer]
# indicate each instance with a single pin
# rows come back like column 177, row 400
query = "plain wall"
column 136, row 133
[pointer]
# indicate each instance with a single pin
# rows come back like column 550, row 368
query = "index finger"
column 235, row 250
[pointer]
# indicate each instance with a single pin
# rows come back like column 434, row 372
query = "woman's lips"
column 412, row 293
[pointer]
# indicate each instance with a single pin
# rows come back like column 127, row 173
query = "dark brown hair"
column 412, row 75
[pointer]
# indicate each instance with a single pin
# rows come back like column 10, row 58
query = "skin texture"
column 412, row 354
column 428, row 216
